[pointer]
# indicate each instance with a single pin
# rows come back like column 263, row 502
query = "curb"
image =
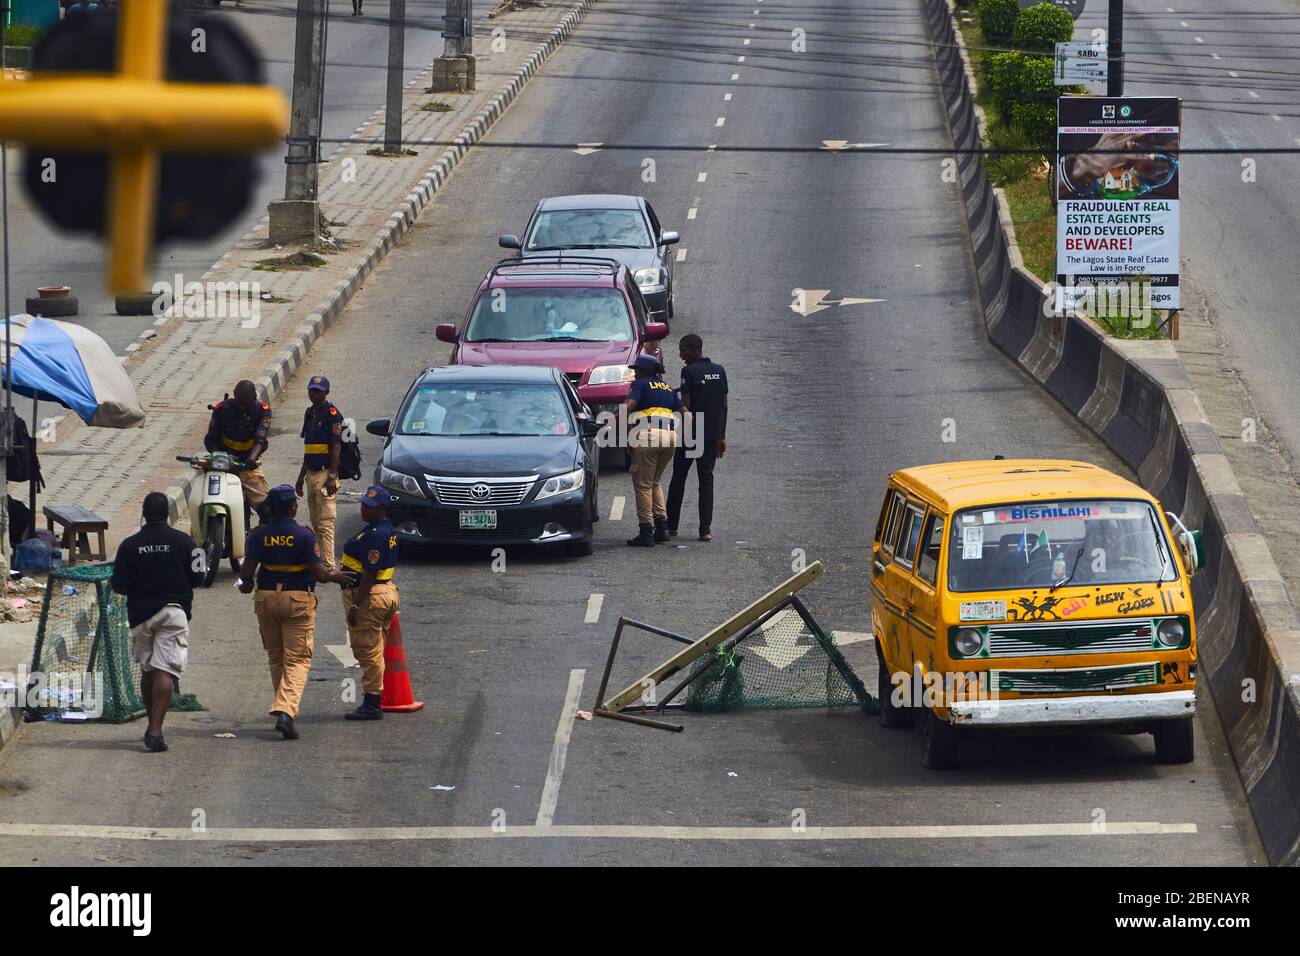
column 273, row 379
column 1137, row 398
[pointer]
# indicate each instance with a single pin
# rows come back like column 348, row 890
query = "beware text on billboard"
column 1117, row 191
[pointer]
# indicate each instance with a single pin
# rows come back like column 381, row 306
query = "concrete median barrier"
column 1136, row 396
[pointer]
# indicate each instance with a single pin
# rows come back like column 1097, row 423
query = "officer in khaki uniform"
column 371, row 557
column 322, row 438
column 242, row 427
column 284, row 557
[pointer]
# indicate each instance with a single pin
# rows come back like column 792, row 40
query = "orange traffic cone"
column 397, row 694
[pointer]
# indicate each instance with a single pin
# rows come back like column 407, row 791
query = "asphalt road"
column 824, row 407
column 355, row 82
column 1237, row 68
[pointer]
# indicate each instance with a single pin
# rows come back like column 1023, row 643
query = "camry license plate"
column 478, row 520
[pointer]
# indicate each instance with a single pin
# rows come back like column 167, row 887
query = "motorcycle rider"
column 241, row 427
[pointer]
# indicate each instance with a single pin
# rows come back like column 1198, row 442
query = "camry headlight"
column 610, row 375
column 968, row 642
column 654, row 279
column 561, row 484
column 396, row 481
column 1171, row 633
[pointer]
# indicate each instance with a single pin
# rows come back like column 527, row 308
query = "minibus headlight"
column 968, row 642
column 1171, row 633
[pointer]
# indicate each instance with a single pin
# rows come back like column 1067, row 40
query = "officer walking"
column 650, row 403
column 242, row 427
column 155, row 570
column 284, row 557
column 704, row 393
column 371, row 556
column 322, row 437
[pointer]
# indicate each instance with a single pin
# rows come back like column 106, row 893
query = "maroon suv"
column 582, row 315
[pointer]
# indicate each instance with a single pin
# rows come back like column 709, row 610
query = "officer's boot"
column 284, row 724
column 645, row 537
column 369, row 709
column 661, row 530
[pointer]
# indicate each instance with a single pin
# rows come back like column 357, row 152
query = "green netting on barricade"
column 82, row 661
column 785, row 663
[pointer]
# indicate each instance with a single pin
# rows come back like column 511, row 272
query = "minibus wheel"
column 938, row 741
column 890, row 716
column 1174, row 740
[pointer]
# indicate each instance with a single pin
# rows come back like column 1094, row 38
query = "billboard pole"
column 1115, row 49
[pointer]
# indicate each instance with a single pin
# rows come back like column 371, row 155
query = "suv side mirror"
column 446, row 332
column 508, row 242
column 669, row 238
column 379, row 426
column 654, row 331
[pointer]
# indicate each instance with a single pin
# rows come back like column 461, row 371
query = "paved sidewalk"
column 183, row 364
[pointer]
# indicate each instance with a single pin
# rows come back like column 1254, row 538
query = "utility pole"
column 1115, row 49
column 396, row 47
column 453, row 72
column 296, row 218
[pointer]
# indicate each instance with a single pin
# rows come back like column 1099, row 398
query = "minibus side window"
column 891, row 526
column 884, row 515
column 927, row 568
column 908, row 539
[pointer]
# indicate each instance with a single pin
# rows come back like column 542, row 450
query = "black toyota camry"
column 491, row 455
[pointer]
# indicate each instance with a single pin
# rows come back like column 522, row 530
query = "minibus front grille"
column 1075, row 680
column 1082, row 637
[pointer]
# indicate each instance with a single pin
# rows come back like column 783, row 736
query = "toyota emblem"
column 480, row 492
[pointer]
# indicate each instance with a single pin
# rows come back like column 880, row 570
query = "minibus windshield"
column 1045, row 544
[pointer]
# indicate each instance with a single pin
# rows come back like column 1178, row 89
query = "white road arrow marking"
column 586, row 149
column 344, row 654
column 808, row 301
column 838, row 145
column 842, row 638
column 779, row 648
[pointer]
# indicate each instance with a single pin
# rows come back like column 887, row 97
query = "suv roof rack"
column 559, row 259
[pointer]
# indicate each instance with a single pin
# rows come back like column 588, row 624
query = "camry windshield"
column 463, row 410
column 550, row 315
column 589, row 229
column 1046, row 544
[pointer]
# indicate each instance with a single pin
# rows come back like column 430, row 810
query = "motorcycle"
column 218, row 513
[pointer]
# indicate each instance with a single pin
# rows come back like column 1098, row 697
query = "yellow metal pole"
column 141, row 49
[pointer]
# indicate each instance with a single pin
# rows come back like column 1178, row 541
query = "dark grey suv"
column 624, row 228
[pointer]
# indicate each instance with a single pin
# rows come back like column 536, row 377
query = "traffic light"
column 158, row 148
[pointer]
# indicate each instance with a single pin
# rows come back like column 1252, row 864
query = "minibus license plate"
column 980, row 610
column 478, row 520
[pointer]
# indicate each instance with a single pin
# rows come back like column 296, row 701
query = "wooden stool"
column 77, row 524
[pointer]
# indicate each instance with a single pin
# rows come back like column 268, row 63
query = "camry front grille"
column 481, row 492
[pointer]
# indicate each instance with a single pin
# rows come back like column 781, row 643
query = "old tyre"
column 52, row 308
column 890, row 715
column 938, row 741
column 1175, row 740
column 135, row 303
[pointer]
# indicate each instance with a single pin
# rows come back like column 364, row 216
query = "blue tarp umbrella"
column 65, row 363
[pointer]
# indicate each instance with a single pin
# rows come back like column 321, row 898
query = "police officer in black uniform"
column 318, row 479
column 284, row 557
column 371, row 557
column 704, row 393
column 242, row 427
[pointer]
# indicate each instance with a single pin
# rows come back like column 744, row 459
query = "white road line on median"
column 586, row 831
column 721, row 121
column 560, row 750
column 712, row 147
column 1253, row 95
column 690, row 213
column 735, row 76
column 1199, row 40
column 681, row 255
column 740, row 59
column 745, row 43
column 1182, row 23
column 594, row 604
column 1232, row 73
column 616, row 509
column 1215, row 56
column 1276, row 118
column 726, row 97
column 702, row 176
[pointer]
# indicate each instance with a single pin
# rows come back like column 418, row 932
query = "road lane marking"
column 343, row 652
column 1199, row 40
column 721, row 121
column 1232, row 73
column 712, row 147
column 746, row 42
column 726, row 97
column 616, row 509
column 1253, row 95
column 702, row 176
column 735, row 76
column 690, row 213
column 841, row 638
column 1182, row 23
column 681, row 255
column 740, row 59
column 752, row 25
column 594, row 604
column 1215, row 56
column 560, row 750
column 1276, row 118
column 589, row 831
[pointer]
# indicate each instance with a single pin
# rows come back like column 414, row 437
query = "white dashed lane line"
column 726, row 97
column 701, row 177
column 735, row 77
column 721, row 121
column 616, row 509
column 594, row 604
column 690, row 213
column 681, row 255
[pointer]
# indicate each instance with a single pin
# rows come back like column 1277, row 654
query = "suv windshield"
column 463, row 410
column 550, row 315
column 1041, row 544
column 589, row 229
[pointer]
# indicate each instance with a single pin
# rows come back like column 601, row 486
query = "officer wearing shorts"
column 318, row 479
column 283, row 557
column 155, row 570
column 371, row 558
column 242, row 427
